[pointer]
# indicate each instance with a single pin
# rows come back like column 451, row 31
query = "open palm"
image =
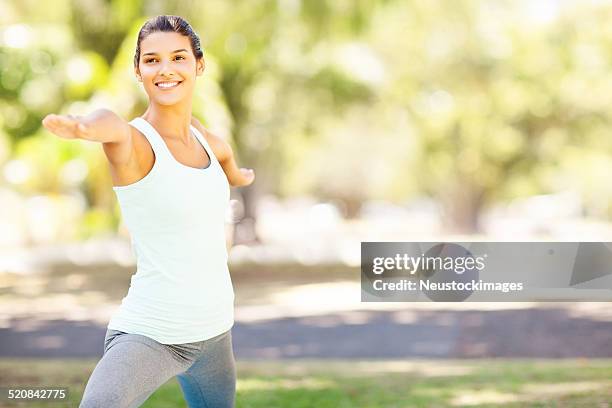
column 65, row 126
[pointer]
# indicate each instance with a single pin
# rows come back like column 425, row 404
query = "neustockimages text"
column 473, row 285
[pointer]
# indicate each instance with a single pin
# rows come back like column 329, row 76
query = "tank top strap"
column 155, row 140
column 204, row 143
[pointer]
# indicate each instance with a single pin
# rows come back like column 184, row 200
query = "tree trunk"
column 244, row 230
column 461, row 209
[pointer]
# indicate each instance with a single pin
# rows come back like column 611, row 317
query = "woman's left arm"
column 237, row 177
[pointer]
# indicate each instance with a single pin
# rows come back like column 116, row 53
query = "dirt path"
column 541, row 333
column 293, row 311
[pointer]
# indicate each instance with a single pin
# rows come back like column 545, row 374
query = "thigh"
column 130, row 370
column 210, row 382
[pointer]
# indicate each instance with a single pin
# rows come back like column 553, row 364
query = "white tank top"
column 182, row 291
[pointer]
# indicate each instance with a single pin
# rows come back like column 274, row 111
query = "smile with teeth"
column 169, row 84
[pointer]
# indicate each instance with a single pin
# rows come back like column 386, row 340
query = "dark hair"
column 166, row 23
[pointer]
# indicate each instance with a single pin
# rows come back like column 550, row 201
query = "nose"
column 165, row 70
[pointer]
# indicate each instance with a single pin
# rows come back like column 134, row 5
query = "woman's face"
column 167, row 67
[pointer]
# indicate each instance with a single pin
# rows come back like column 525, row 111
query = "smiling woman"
column 164, row 68
column 171, row 177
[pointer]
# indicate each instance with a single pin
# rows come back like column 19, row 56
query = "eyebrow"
column 173, row 52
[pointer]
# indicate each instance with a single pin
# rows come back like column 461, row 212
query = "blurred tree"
column 272, row 98
column 497, row 92
column 101, row 25
column 470, row 102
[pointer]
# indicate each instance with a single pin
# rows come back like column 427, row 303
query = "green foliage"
column 102, row 25
column 473, row 103
column 96, row 222
column 497, row 94
column 342, row 89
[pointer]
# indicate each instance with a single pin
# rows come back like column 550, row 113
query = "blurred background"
column 365, row 120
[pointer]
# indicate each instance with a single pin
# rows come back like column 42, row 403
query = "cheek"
column 146, row 71
column 148, row 75
column 187, row 73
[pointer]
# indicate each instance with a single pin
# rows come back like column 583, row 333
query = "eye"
column 155, row 59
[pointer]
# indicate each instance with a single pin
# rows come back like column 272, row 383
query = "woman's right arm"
column 102, row 126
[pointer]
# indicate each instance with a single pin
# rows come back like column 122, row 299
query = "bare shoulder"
column 220, row 147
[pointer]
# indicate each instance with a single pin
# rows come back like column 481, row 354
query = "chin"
column 168, row 100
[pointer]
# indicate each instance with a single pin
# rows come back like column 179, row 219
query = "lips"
column 168, row 84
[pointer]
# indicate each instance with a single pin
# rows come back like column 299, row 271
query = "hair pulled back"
column 168, row 23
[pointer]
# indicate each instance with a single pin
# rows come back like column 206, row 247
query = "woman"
column 171, row 178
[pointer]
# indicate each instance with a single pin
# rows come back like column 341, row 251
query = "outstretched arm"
column 237, row 177
column 102, row 126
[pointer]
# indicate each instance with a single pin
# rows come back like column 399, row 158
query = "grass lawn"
column 337, row 384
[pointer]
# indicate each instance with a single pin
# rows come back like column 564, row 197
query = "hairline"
column 178, row 25
column 173, row 52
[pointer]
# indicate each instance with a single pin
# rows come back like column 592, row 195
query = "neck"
column 172, row 122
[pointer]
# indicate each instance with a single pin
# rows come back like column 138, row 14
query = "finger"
column 65, row 120
column 46, row 122
column 50, row 119
column 62, row 125
column 70, row 125
column 57, row 122
column 82, row 129
column 51, row 124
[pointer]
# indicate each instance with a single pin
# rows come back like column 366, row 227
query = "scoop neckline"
column 192, row 129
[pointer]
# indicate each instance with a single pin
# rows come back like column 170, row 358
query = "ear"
column 200, row 65
column 137, row 73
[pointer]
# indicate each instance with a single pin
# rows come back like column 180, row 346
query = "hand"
column 65, row 126
column 248, row 175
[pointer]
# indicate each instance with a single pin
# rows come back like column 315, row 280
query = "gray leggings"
column 134, row 366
